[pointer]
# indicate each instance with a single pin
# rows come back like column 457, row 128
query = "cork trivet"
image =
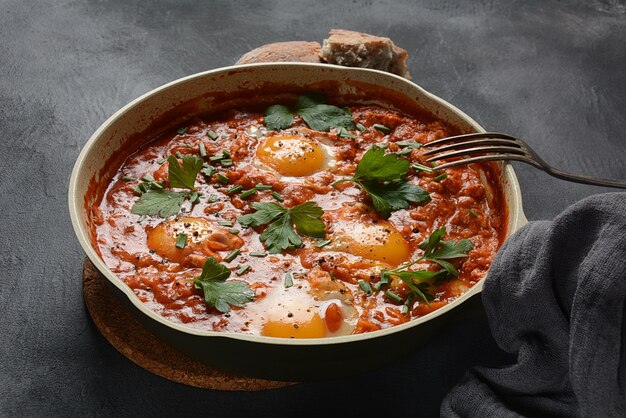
column 120, row 328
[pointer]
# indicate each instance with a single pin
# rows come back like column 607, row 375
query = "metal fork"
column 491, row 146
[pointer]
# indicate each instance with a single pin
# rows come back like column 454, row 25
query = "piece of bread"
column 294, row 51
column 356, row 49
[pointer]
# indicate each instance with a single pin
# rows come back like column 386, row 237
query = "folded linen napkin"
column 556, row 296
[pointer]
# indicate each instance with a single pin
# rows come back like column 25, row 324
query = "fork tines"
column 483, row 146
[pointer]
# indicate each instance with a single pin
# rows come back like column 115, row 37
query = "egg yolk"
column 290, row 313
column 292, row 155
column 312, row 327
column 379, row 242
column 202, row 238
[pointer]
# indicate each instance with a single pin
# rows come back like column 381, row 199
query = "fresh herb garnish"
column 315, row 113
column 144, row 186
column 440, row 177
column 435, row 250
column 382, row 128
column 324, row 243
column 184, row 177
column 232, row 255
column 222, row 178
column 248, row 193
column 420, row 167
column 163, row 203
column 407, row 147
column 280, row 234
column 235, row 189
column 393, row 296
column 156, row 201
column 261, row 187
column 243, row 269
column 278, row 117
column 409, row 144
column 343, row 132
column 278, row 197
column 194, row 197
column 382, row 177
column 207, row 170
column 366, row 287
column 288, row 280
column 181, row 241
column 218, row 292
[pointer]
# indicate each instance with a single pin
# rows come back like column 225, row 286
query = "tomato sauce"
column 325, row 299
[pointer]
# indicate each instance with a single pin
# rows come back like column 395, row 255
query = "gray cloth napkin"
column 555, row 297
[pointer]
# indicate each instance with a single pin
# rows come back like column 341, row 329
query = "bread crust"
column 343, row 47
column 293, row 51
column 357, row 49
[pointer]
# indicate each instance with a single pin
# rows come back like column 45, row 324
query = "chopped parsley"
column 278, row 117
column 435, row 250
column 248, row 193
column 163, row 203
column 232, row 255
column 315, row 113
column 366, row 287
column 382, row 177
column 157, row 201
column 288, row 280
column 184, row 177
column 280, row 233
column 219, row 293
column 382, row 128
column 181, row 240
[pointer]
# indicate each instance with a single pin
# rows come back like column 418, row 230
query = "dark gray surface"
column 550, row 72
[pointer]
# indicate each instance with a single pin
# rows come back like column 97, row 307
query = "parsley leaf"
column 265, row 213
column 306, row 217
column 280, row 234
column 438, row 251
column 394, row 196
column 323, row 117
column 375, row 165
column 315, row 113
column 160, row 202
column 218, row 292
column 184, row 177
column 278, row 117
column 310, row 100
column 156, row 201
column 382, row 177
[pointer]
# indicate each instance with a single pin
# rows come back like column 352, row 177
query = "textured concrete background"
column 551, row 72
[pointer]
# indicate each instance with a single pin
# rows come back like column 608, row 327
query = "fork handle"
column 555, row 172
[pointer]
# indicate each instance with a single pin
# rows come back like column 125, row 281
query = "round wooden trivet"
column 118, row 325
